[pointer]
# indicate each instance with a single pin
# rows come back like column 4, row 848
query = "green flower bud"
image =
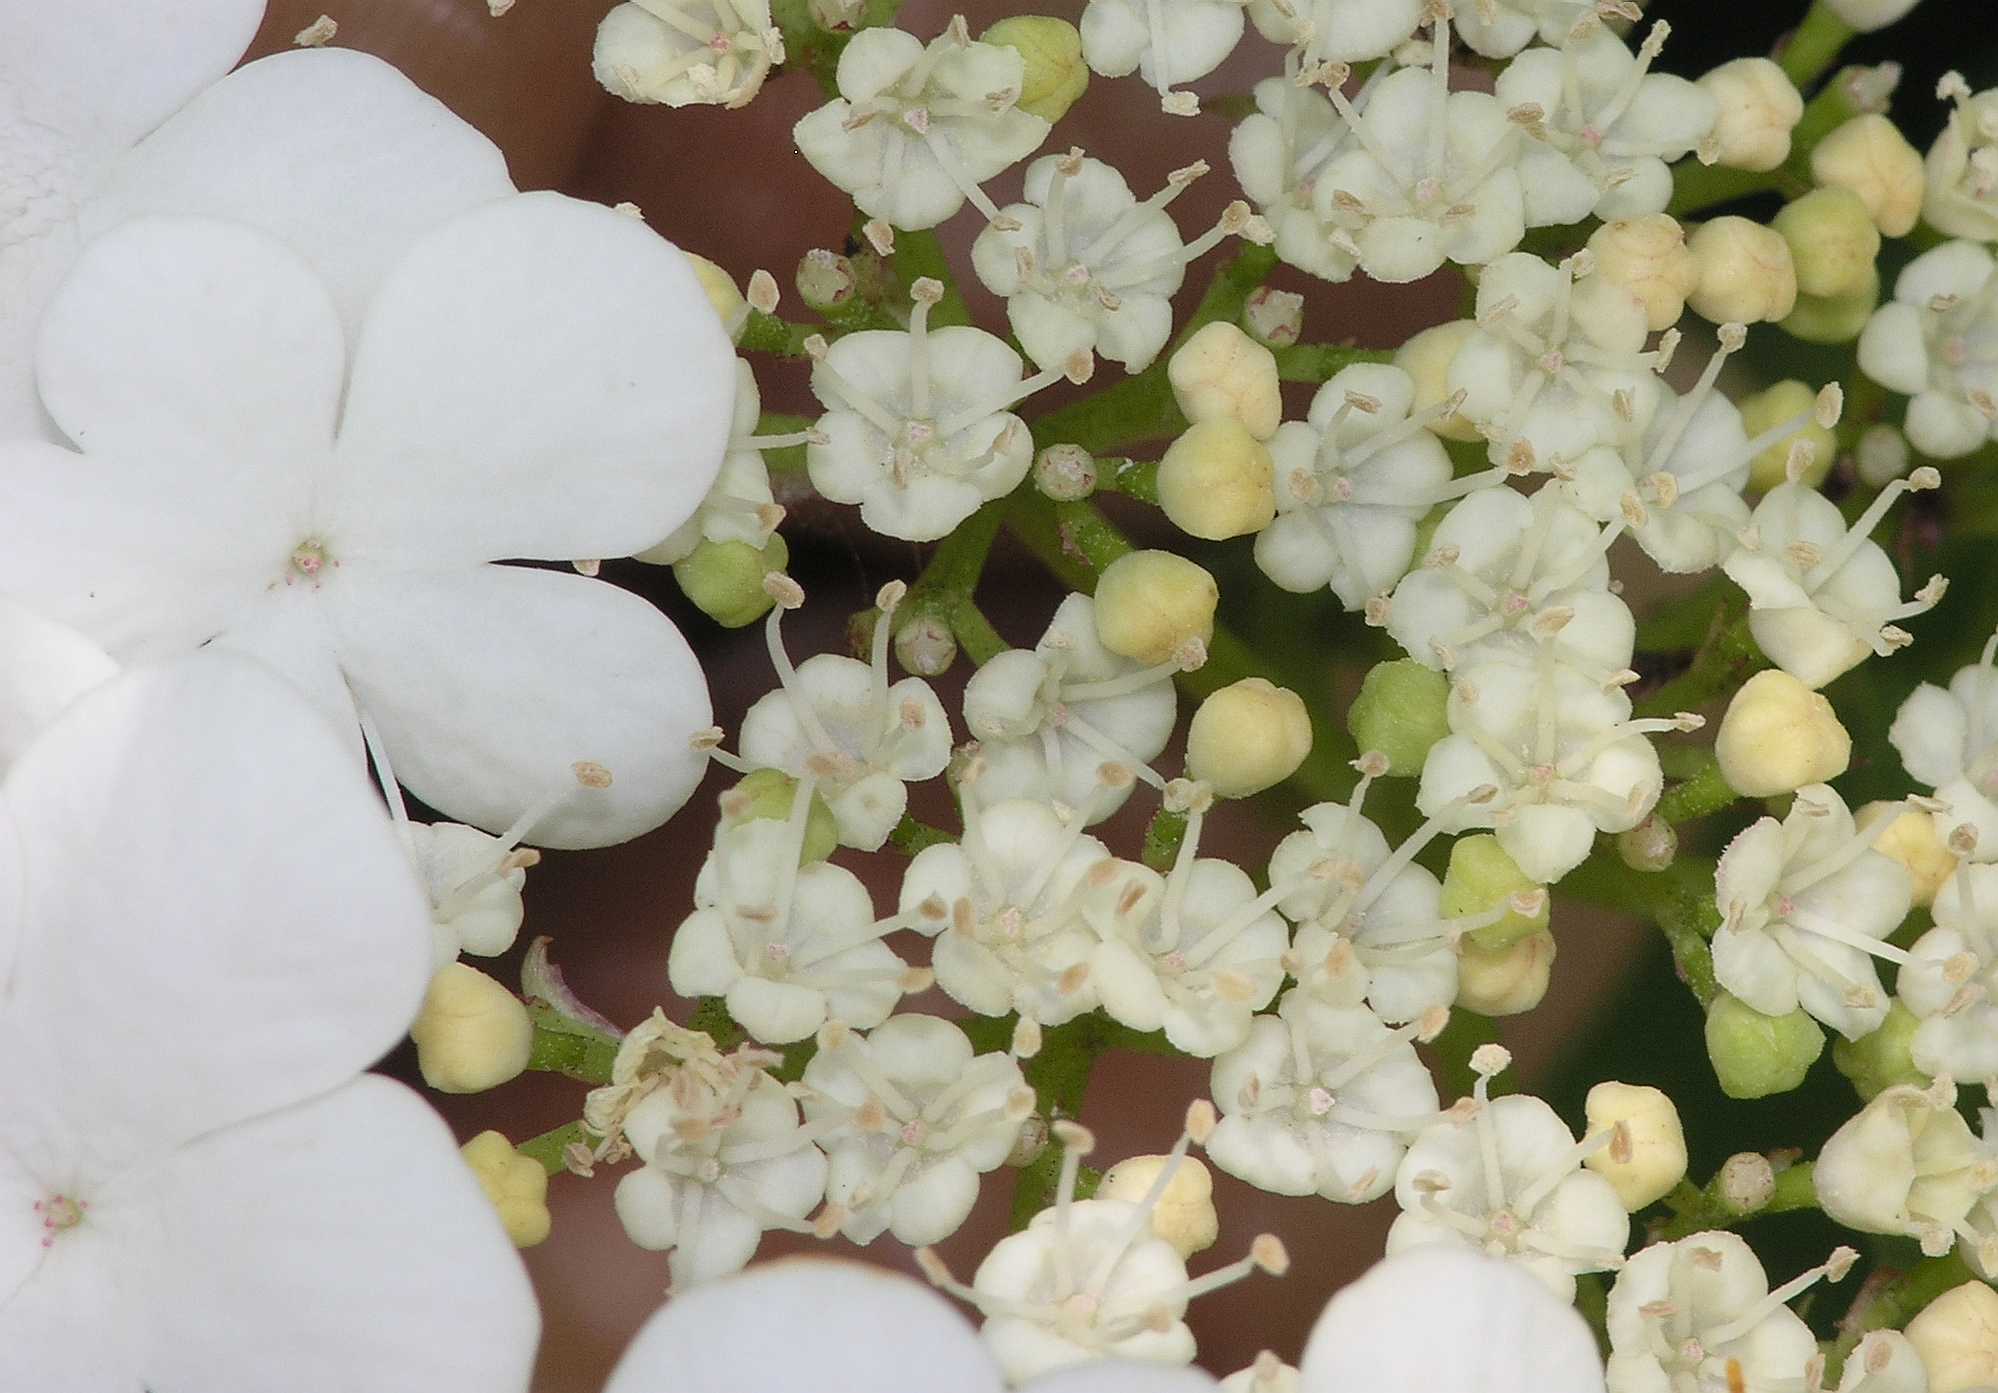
column 725, row 579
column 769, row 793
column 1884, row 1058
column 1400, row 711
column 1772, row 406
column 1056, row 76
column 1833, row 242
column 1756, row 1055
column 1648, row 847
column 1481, row 877
column 1816, row 319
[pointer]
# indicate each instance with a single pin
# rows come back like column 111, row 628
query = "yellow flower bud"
column 1426, row 358
column 473, row 1034
column 722, row 293
column 516, row 1185
column 1910, row 837
column 1222, row 373
column 1150, row 605
column 1505, row 981
column 1648, row 1155
column 1833, row 242
column 1833, row 318
column 1648, row 257
column 1771, row 407
column 1217, row 481
column 1869, row 156
column 1056, row 76
column 1779, row 735
column 1957, row 1338
column 1247, row 737
column 1759, row 107
column 1746, row 275
column 1185, row 1215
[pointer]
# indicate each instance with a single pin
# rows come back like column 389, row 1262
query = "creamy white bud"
column 1646, row 1156
column 1221, row 373
column 1759, row 107
column 472, row 1034
column 1910, row 836
column 1184, row 1215
column 1217, row 481
column 1648, row 258
column 1957, row 1338
column 1247, row 737
column 1505, row 981
column 1779, row 735
column 1746, row 274
column 1869, row 156
column 1150, row 604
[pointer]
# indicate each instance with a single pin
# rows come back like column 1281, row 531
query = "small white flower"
column 1268, row 1374
column 917, row 128
column 1937, row 341
column 1806, row 905
column 1948, row 739
column 1164, row 41
column 44, row 668
column 1909, row 1164
column 739, row 506
column 840, row 721
column 1337, row 31
column 714, row 52
column 1962, row 166
column 1278, row 152
column 1950, row 979
column 1501, row 28
column 474, row 881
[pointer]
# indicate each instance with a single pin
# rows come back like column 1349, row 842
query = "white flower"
column 917, row 128
column 909, row 1120
column 1699, row 1313
column 1822, row 596
column 659, row 51
column 1950, row 979
column 152, row 1174
column 739, row 506
column 474, row 882
column 919, row 428
column 1937, row 341
column 1320, row 1099
column 1338, row 31
column 1049, row 718
column 240, row 481
column 1267, row 1375
column 1909, row 1164
column 1948, row 739
column 1509, row 1180
column 44, row 667
column 1084, row 266
column 1165, row 41
column 1278, row 152
column 1962, row 166
column 840, row 721
column 1806, row 905
column 1605, row 127
column 1352, row 481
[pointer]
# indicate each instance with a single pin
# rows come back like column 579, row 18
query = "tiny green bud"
column 1056, row 76
column 1480, row 878
column 769, row 794
column 1217, row 481
column 825, row 280
column 1884, row 1058
column 1402, row 710
column 1745, row 1183
column 925, row 646
column 1273, row 318
column 1833, row 242
column 1756, row 1055
column 1065, row 473
column 1650, row 846
column 1838, row 319
column 1773, row 406
column 725, row 579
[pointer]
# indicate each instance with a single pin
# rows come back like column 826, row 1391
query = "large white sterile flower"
column 683, row 54
column 1337, row 31
column 1950, row 980
column 1164, row 41
column 1948, row 739
column 44, row 666
column 1937, row 342
column 739, row 506
column 178, row 1153
column 917, row 128
column 1806, row 904
column 80, row 84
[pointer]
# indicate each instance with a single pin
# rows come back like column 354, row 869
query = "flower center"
column 308, row 560
column 59, row 1214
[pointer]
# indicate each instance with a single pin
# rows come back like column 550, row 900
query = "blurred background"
column 729, row 185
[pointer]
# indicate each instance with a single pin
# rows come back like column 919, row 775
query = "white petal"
column 1929, row 733
column 1121, row 1376
column 540, row 377
column 491, row 683
column 44, row 666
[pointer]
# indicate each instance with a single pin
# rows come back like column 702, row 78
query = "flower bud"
column 516, row 1184
column 1480, row 878
column 1217, row 481
column 473, row 1034
column 769, row 794
column 1881, row 454
column 1833, row 242
column 1836, row 318
column 925, row 646
column 1648, row 1155
column 1756, row 1055
column 725, row 579
column 1746, row 1183
column 1151, row 604
column 1957, row 1337
column 722, row 294
column 1648, row 258
column 1272, row 317
column 1745, row 272
column 1065, row 473
column 1910, row 837
column 1906, row 1165
column 1650, row 846
column 1884, row 1058
column 1426, row 359
column 1223, row 374
column 825, row 280
column 1402, row 709
column 1055, row 76
column 1865, row 16
column 1961, row 172
column 1771, row 407
column 1759, row 107
column 1505, row 981
column 1247, row 737
column 1184, row 1215
column 1779, row 735
column 1869, row 157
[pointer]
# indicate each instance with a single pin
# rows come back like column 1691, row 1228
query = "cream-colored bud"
column 1759, row 107
column 1881, row 454
column 1833, row 242
column 1779, row 735
column 1647, row 1155
column 516, row 1184
column 1217, row 481
column 1149, row 604
column 1223, row 374
column 1247, row 737
column 473, row 1034
column 1909, row 836
column 1957, row 1336
column 1745, row 272
column 1508, row 980
column 722, row 293
column 1771, row 407
column 1426, row 359
column 1184, row 1216
column 1869, row 156
column 1648, row 258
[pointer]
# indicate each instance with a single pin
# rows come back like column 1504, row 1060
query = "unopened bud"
column 1746, row 1183
column 1836, row 318
column 1480, row 878
column 825, row 280
column 1881, row 454
column 1055, row 75
column 1184, row 1215
column 1217, row 481
column 1505, row 981
column 725, row 579
column 1648, row 1156
column 1247, row 737
column 1426, row 359
column 1223, row 374
column 1869, row 157
column 472, row 1034
column 1868, row 15
column 1650, row 846
column 1755, row 1055
column 1272, row 317
column 1758, row 108
column 1746, row 275
column 1771, row 407
column 1956, row 1336
column 1779, row 735
column 1402, row 709
column 768, row 795
column 1649, row 260
column 1884, row 1058
column 516, row 1185
column 1833, row 242
column 1065, row 473
column 1149, row 604
column 1909, row 836
column 721, row 290
column 925, row 646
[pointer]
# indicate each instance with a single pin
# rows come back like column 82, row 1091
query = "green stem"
column 946, row 587
column 910, row 836
column 919, row 255
column 789, row 459
column 560, row 1048
column 1701, row 793
column 1678, row 899
column 1059, row 1075
column 1315, row 362
column 1719, row 666
column 1134, row 478
column 1815, row 46
column 1698, row 1210
column 549, row 1146
column 1163, row 836
column 767, row 333
column 1892, row 1304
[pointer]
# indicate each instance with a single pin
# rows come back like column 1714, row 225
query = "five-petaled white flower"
column 1937, row 341
column 682, row 54
column 1948, row 739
